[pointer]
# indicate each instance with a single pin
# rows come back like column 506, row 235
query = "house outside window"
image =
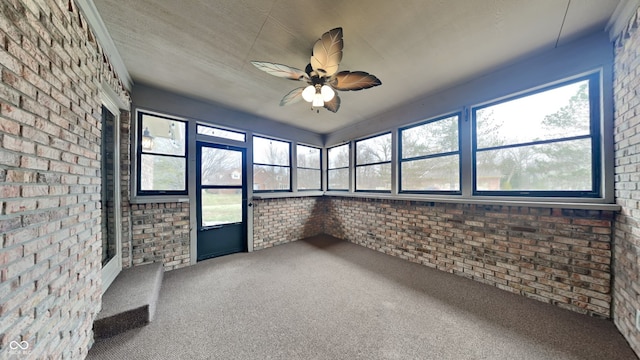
column 271, row 164
column 309, row 168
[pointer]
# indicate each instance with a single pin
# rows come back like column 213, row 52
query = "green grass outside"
column 221, row 208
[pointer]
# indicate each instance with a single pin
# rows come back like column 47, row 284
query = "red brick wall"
column 556, row 256
column 279, row 221
column 50, row 138
column 160, row 233
column 626, row 287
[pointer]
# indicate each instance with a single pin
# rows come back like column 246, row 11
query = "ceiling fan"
column 321, row 75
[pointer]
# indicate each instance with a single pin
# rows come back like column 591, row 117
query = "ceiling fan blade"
column 354, row 80
column 280, row 70
column 293, row 96
column 333, row 105
column 327, row 52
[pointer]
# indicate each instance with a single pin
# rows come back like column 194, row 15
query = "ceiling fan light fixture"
column 318, row 101
column 327, row 93
column 308, row 93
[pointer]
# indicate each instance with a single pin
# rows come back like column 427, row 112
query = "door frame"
column 198, row 190
column 192, row 168
column 113, row 267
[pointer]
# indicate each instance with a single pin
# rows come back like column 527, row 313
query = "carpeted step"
column 130, row 301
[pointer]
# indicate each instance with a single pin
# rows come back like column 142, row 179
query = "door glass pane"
column 221, row 167
column 221, row 206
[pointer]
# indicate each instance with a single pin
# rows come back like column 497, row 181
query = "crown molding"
column 619, row 20
column 94, row 19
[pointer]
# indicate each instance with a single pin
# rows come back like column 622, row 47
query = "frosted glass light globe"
column 327, row 93
column 317, row 100
column 308, row 93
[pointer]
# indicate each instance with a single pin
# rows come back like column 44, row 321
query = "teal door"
column 221, row 200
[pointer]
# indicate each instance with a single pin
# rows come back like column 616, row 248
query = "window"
column 338, row 168
column 162, row 155
column 220, row 133
column 309, row 169
column 373, row 163
column 271, row 165
column 543, row 143
column 430, row 157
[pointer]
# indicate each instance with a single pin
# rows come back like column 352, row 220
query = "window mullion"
column 466, row 154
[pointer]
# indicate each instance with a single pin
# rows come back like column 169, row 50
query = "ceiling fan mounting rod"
column 317, row 81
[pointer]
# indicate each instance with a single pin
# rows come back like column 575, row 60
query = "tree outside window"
column 543, row 143
column 338, row 168
column 373, row 163
column 430, row 156
column 308, row 168
column 271, row 164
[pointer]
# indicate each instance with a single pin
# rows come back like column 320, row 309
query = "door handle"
column 250, row 204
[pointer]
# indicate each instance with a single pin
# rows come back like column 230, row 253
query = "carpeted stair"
column 130, row 301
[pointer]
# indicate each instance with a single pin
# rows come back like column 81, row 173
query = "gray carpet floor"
column 322, row 298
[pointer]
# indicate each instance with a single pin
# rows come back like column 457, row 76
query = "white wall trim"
column 111, row 270
column 94, row 19
column 108, row 95
column 619, row 20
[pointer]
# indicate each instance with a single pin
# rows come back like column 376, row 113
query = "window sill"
column 587, row 204
column 564, row 203
column 292, row 194
column 159, row 199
